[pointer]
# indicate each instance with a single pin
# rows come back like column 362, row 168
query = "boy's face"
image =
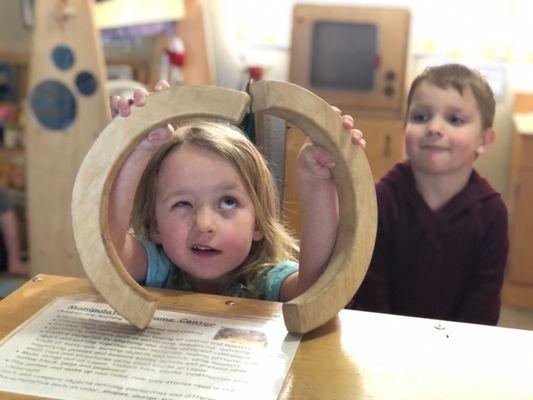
column 205, row 218
column 443, row 133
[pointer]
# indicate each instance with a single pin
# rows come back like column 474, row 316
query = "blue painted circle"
column 63, row 57
column 54, row 105
column 86, row 83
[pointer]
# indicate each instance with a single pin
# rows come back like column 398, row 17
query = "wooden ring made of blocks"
column 358, row 212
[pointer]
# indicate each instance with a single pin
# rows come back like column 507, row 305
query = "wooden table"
column 358, row 355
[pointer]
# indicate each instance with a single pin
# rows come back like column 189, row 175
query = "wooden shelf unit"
column 518, row 284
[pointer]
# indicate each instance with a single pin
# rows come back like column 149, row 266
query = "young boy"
column 442, row 238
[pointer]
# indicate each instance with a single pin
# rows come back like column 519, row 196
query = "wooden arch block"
column 90, row 197
column 315, row 117
column 357, row 202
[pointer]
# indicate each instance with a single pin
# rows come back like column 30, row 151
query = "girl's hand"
column 122, row 106
column 316, row 161
column 347, row 123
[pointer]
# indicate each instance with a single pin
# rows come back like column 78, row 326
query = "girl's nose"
column 205, row 220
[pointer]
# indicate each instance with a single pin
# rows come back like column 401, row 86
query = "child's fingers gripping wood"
column 123, row 106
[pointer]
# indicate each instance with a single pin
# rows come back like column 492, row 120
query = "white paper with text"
column 84, row 350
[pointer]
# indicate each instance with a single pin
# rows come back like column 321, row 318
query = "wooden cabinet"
column 518, row 285
column 384, row 143
column 384, row 149
column 521, row 252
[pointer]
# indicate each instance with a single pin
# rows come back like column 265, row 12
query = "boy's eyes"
column 456, row 120
column 422, row 117
column 228, row 203
column 419, row 117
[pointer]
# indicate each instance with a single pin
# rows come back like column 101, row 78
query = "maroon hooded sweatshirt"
column 446, row 264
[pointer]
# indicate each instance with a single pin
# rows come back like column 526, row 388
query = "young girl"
column 204, row 212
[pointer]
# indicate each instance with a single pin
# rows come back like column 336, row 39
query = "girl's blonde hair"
column 231, row 144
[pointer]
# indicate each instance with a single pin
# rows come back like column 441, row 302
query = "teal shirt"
column 162, row 273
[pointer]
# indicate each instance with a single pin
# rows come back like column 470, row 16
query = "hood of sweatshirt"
column 401, row 179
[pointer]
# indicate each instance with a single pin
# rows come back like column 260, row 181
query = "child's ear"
column 155, row 236
column 258, row 235
column 487, row 139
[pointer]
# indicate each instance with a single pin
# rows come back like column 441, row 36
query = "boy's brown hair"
column 460, row 78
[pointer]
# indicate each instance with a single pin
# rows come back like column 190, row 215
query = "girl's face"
column 444, row 131
column 205, row 219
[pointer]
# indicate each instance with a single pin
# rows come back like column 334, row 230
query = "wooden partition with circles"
column 358, row 212
column 68, row 105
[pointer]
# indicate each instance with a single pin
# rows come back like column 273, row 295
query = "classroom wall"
column 495, row 38
column 453, row 30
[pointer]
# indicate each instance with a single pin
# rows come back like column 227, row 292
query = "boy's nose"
column 435, row 127
column 205, row 221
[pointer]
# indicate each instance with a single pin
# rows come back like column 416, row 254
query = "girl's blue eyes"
column 181, row 204
column 228, row 203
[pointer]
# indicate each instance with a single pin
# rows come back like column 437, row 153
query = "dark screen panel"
column 343, row 55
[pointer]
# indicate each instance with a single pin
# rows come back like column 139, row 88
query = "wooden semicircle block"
column 93, row 183
column 357, row 202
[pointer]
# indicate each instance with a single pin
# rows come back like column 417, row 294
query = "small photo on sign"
column 247, row 337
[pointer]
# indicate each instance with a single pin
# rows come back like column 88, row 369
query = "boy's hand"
column 122, row 106
column 316, row 161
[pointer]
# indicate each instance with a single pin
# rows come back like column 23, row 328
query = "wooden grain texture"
column 99, row 168
column 518, row 285
column 54, row 156
column 357, row 355
column 357, row 202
